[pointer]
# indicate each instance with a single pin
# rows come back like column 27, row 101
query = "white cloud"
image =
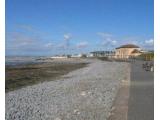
column 82, row 45
column 149, row 42
column 48, row 45
column 107, row 39
column 114, row 42
column 109, row 42
column 67, row 36
column 19, row 42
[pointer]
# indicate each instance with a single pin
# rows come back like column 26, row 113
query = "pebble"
column 83, row 93
column 99, row 81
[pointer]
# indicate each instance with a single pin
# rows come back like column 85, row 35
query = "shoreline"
column 22, row 75
column 86, row 93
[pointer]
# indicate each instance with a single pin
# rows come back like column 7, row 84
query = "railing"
column 148, row 66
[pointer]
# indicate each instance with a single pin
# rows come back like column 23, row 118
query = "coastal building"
column 81, row 55
column 75, row 56
column 127, row 51
column 60, row 56
column 109, row 54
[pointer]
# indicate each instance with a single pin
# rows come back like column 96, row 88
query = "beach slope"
column 87, row 93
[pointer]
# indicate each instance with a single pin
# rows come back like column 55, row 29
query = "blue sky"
column 49, row 27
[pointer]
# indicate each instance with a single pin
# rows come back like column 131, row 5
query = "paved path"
column 141, row 101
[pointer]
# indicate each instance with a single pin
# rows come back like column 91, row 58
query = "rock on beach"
column 87, row 93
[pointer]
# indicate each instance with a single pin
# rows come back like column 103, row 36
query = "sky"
column 51, row 27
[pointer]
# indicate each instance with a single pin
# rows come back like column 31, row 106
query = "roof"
column 128, row 46
column 136, row 51
column 102, row 52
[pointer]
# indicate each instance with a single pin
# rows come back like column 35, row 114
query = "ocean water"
column 21, row 60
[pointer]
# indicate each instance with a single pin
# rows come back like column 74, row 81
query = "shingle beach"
column 84, row 94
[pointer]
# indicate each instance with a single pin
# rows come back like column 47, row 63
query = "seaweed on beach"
column 21, row 76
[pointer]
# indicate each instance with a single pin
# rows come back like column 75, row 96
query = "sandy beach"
column 86, row 93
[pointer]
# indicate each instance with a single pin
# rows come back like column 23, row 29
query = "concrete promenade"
column 141, row 100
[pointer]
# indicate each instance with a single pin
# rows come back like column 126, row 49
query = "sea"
column 22, row 60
